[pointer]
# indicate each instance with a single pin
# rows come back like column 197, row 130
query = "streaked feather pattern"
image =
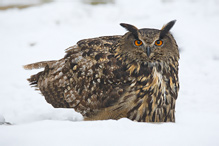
column 107, row 78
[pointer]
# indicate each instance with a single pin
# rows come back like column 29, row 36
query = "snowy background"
column 44, row 31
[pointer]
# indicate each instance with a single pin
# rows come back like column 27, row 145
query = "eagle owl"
column 134, row 75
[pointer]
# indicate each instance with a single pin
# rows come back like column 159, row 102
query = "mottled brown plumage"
column 134, row 75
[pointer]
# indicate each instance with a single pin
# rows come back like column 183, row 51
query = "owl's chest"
column 151, row 87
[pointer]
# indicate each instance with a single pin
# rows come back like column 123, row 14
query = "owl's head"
column 147, row 45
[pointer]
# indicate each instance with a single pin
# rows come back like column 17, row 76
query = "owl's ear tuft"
column 131, row 28
column 166, row 28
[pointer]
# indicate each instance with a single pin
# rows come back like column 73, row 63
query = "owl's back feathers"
column 87, row 79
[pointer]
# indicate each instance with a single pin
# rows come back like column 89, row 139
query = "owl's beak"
column 148, row 50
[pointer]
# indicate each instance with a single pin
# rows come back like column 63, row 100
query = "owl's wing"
column 88, row 78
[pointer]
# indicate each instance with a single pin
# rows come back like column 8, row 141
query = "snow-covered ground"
column 43, row 32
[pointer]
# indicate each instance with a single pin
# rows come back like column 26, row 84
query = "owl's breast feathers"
column 93, row 79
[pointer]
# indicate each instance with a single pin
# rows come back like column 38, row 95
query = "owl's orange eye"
column 138, row 42
column 158, row 43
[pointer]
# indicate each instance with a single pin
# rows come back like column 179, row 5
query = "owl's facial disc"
column 147, row 44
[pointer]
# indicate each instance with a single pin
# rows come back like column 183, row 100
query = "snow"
column 43, row 32
column 2, row 119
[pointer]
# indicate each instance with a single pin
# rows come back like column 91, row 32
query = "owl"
column 132, row 76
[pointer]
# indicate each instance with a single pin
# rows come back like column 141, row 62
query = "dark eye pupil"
column 139, row 42
column 158, row 42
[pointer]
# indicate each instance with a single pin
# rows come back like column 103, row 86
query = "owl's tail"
column 38, row 65
column 34, row 78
